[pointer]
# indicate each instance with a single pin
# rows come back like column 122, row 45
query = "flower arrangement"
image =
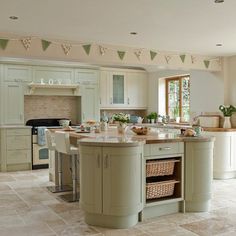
column 227, row 110
column 121, row 117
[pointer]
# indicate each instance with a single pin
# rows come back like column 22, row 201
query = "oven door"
column 40, row 155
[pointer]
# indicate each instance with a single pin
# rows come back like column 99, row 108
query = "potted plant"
column 227, row 112
column 176, row 114
column 122, row 119
column 152, row 117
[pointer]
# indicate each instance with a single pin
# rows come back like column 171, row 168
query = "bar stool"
column 63, row 146
column 52, row 147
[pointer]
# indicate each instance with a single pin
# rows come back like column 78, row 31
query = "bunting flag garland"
column 87, row 48
column 182, row 57
column 3, row 43
column 102, row 50
column 45, row 44
column 121, row 54
column 206, row 63
column 168, row 57
column 26, row 42
column 153, row 55
column 193, row 59
column 138, row 54
column 66, row 48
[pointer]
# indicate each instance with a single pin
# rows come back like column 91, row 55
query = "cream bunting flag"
column 26, row 42
column 138, row 53
column 168, row 57
column 102, row 50
column 66, row 48
column 193, row 59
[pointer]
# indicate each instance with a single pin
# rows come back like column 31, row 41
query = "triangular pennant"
column 167, row 59
column 152, row 54
column 102, row 50
column 193, row 59
column 182, row 57
column 66, row 48
column 121, row 54
column 3, row 43
column 45, row 44
column 87, row 48
column 206, row 63
column 138, row 53
column 26, row 43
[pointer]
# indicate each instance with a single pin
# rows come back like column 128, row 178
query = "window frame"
column 180, row 79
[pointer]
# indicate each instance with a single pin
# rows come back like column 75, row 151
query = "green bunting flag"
column 182, row 57
column 207, row 63
column 3, row 43
column 121, row 54
column 45, row 44
column 87, row 48
column 152, row 55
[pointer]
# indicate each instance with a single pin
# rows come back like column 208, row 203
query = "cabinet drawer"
column 18, row 142
column 13, row 132
column 166, row 148
column 17, row 157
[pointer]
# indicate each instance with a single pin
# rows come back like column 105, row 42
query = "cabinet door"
column 122, row 180
column 117, row 89
column 105, row 101
column 18, row 73
column 13, row 104
column 90, row 103
column 86, row 76
column 91, row 179
column 136, row 90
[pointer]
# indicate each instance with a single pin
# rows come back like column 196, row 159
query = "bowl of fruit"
column 140, row 130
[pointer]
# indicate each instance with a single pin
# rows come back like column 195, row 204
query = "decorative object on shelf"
column 227, row 112
column 122, row 120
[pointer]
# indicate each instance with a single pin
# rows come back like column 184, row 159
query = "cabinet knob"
column 164, row 148
column 106, row 162
column 98, row 161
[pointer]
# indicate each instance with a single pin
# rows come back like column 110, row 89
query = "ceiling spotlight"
column 13, row 17
column 219, row 1
column 133, row 33
column 219, row 44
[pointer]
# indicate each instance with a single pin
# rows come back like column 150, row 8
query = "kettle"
column 139, row 120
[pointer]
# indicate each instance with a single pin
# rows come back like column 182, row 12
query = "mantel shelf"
column 33, row 87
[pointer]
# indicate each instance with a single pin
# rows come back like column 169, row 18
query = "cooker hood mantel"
column 52, row 89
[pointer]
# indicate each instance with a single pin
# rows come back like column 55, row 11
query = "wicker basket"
column 160, row 167
column 160, row 189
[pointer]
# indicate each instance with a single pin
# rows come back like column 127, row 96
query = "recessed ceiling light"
column 13, row 17
column 219, row 1
column 133, row 33
column 219, row 44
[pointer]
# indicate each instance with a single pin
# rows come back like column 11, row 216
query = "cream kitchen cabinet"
column 13, row 103
column 15, row 149
column 111, row 185
column 88, row 87
column 123, row 89
column 53, row 75
column 224, row 158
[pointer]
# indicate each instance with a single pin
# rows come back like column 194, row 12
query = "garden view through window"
column 178, row 98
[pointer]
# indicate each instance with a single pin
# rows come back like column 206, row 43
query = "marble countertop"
column 15, row 127
column 220, row 129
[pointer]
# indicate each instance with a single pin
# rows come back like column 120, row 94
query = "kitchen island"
column 116, row 186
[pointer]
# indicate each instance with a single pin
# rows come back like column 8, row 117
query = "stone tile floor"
column 27, row 208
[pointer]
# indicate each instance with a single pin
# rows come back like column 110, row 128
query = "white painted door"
column 136, row 90
column 105, row 101
column 90, row 102
column 91, row 179
column 122, row 180
column 13, row 103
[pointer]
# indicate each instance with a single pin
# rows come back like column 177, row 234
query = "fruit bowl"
column 140, row 130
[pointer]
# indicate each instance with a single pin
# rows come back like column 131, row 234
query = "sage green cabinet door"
column 122, row 180
column 90, row 102
column 13, row 104
column 91, row 179
column 86, row 76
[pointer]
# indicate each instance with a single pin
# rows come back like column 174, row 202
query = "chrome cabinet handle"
column 106, row 162
column 164, row 148
column 98, row 161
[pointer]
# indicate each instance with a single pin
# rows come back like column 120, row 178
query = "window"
column 178, row 97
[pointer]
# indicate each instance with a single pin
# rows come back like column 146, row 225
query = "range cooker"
column 40, row 153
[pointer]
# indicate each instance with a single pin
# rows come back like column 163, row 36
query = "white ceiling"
column 186, row 26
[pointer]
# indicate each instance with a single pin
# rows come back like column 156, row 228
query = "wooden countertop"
column 219, row 129
column 112, row 137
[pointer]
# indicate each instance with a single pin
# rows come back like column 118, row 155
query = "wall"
column 36, row 107
column 206, row 90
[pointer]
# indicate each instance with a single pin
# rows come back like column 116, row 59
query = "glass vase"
column 227, row 123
